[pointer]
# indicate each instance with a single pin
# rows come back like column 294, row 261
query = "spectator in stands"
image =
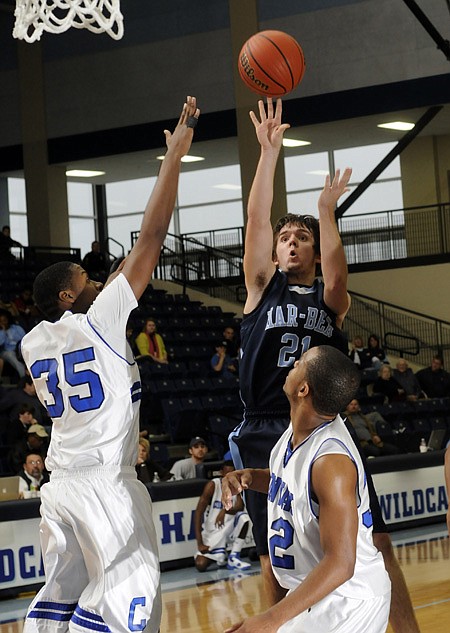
column 359, row 354
column 25, row 393
column 6, row 243
column 364, row 425
column 434, row 380
column 10, row 336
column 36, row 441
column 222, row 363
column 150, row 344
column 376, row 352
column 407, row 380
column 28, row 315
column 32, row 474
column 96, row 263
column 447, row 483
column 132, row 341
column 17, row 429
column 215, row 527
column 388, row 386
column 229, row 335
column 147, row 468
column 185, row 468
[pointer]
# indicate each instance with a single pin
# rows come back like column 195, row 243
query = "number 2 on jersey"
column 74, row 377
column 286, row 357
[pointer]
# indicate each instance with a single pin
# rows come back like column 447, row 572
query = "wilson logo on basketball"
column 250, row 72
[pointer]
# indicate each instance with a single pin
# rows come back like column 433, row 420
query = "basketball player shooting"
column 98, row 539
column 288, row 311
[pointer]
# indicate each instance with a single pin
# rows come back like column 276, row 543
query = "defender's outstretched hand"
column 181, row 139
column 269, row 129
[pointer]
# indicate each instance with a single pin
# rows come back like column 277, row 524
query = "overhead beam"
column 387, row 160
column 442, row 43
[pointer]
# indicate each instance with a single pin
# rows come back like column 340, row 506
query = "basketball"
column 271, row 63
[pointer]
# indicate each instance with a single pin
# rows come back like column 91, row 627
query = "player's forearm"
column 261, row 193
column 260, row 480
column 333, row 260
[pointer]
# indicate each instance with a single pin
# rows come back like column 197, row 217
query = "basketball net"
column 56, row 16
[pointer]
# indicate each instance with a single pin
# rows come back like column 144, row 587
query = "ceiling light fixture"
column 84, row 173
column 230, row 187
column 292, row 142
column 186, row 159
column 403, row 126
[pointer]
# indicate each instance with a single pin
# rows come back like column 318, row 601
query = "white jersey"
column 87, row 379
column 293, row 515
column 209, row 522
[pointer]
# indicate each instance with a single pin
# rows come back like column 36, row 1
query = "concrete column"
column 4, row 202
column 46, row 188
column 243, row 24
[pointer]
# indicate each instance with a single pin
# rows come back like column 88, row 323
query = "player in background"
column 447, row 484
column 215, row 527
column 320, row 524
column 98, row 539
column 288, row 311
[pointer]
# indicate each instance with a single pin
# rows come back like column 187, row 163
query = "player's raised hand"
column 181, row 139
column 332, row 191
column 269, row 129
column 233, row 483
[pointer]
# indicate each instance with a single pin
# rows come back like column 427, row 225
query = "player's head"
column 64, row 286
column 327, row 377
column 296, row 237
column 227, row 467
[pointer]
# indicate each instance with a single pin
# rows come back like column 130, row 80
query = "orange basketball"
column 271, row 63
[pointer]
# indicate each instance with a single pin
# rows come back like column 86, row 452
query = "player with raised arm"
column 98, row 539
column 319, row 518
column 288, row 311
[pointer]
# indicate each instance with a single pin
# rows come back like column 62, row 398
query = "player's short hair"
column 47, row 286
column 333, row 379
column 308, row 222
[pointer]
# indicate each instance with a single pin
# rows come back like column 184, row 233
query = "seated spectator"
column 146, row 468
column 28, row 314
column 361, row 356
column 371, row 442
column 17, row 429
column 388, row 386
column 185, row 468
column 221, row 363
column 25, row 393
column 10, row 336
column 376, row 352
column 216, row 528
column 32, row 474
column 407, row 380
column 229, row 335
column 36, row 441
column 434, row 380
column 96, row 263
column 150, row 344
column 132, row 342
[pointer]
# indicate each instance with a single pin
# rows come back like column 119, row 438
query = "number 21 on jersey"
column 288, row 353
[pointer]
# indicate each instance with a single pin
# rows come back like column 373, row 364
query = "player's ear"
column 303, row 390
column 66, row 297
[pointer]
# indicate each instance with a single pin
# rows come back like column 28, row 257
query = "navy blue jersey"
column 289, row 320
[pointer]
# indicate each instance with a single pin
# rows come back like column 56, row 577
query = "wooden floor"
column 211, row 607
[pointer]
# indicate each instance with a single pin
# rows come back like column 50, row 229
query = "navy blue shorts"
column 251, row 443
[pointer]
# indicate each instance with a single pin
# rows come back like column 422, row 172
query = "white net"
column 33, row 17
